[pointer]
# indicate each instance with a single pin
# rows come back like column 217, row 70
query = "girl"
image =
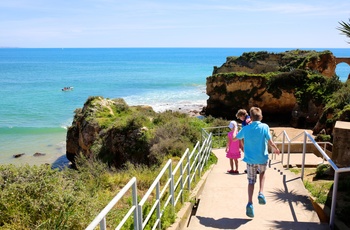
column 233, row 148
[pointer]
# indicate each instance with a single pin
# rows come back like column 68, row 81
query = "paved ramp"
column 224, row 198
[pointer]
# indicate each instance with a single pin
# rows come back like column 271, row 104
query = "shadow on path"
column 222, row 223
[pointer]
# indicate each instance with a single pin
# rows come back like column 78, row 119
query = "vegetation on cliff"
column 38, row 197
column 116, row 133
column 337, row 108
column 281, row 62
column 296, row 85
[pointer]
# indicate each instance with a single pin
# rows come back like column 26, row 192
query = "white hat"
column 232, row 124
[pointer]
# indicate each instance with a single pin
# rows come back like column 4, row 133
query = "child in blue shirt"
column 256, row 138
column 244, row 117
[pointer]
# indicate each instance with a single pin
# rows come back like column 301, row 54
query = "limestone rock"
column 245, row 81
column 97, row 132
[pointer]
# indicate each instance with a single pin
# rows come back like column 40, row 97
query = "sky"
column 178, row 23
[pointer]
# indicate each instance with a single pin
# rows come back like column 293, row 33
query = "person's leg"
column 236, row 164
column 261, row 197
column 251, row 175
column 261, row 182
column 250, row 193
column 231, row 164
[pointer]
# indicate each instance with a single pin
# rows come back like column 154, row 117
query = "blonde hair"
column 255, row 114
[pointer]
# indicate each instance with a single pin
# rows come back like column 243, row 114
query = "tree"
column 345, row 28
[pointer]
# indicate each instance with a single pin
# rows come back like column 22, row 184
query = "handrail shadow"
column 309, row 139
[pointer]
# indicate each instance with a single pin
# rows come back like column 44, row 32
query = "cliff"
column 102, row 129
column 277, row 83
column 112, row 131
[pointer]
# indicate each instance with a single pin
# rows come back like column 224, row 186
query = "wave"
column 31, row 130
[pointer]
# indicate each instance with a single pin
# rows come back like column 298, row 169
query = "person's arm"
column 241, row 145
column 228, row 143
column 273, row 145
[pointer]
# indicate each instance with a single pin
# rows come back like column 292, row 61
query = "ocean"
column 35, row 112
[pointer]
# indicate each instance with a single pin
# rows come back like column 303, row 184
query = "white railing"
column 219, row 134
column 308, row 139
column 168, row 191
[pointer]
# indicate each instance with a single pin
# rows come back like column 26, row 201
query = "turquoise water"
column 34, row 111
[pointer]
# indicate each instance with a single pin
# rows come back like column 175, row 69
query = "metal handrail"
column 101, row 217
column 194, row 165
column 337, row 171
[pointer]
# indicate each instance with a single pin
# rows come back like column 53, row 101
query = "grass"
column 318, row 188
column 319, row 183
column 38, row 197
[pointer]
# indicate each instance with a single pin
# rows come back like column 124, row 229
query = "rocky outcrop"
column 115, row 133
column 269, row 81
column 264, row 62
column 100, row 131
column 228, row 94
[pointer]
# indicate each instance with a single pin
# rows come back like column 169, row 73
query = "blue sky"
column 180, row 23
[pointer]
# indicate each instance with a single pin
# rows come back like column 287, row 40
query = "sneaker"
column 249, row 210
column 261, row 198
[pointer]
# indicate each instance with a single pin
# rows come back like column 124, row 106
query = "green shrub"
column 321, row 171
column 38, row 197
column 323, row 138
column 319, row 191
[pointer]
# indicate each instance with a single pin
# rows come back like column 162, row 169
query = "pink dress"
column 233, row 148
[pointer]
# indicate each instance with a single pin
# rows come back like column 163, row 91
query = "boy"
column 244, row 117
column 256, row 137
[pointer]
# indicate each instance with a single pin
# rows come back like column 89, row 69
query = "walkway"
column 224, row 197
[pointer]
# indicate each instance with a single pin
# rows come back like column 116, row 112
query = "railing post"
column 188, row 171
column 172, row 193
column 324, row 150
column 182, row 182
column 334, row 199
column 304, row 153
column 134, row 203
column 283, row 140
column 158, row 205
column 288, row 157
column 103, row 224
column 139, row 218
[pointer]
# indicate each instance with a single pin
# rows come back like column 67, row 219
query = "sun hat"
column 232, row 124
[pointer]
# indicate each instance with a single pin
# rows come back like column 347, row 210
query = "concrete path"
column 224, row 197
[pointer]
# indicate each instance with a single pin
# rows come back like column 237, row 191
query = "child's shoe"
column 249, row 210
column 261, row 198
column 231, row 171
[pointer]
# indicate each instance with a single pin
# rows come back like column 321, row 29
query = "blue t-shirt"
column 256, row 136
column 246, row 121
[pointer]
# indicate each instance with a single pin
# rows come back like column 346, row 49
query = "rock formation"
column 97, row 132
column 269, row 81
column 112, row 131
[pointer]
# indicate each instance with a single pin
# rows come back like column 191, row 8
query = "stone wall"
column 341, row 144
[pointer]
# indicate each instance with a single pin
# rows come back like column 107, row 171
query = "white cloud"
column 200, row 22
